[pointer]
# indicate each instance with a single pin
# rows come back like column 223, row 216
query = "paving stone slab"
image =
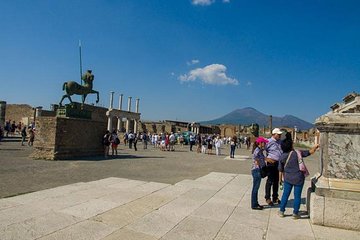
column 199, row 185
column 37, row 227
column 18, row 214
column 107, row 181
column 194, row 228
column 126, row 184
column 4, row 204
column 154, row 224
column 214, row 211
column 252, row 218
column 236, row 231
column 288, row 228
column 86, row 230
column 89, row 209
column 127, row 234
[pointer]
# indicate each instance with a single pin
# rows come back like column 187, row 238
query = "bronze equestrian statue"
column 72, row 88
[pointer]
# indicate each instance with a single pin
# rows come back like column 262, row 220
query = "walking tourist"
column 209, row 144
column 135, row 140
column 31, row 136
column 232, row 146
column 218, row 145
column 106, row 143
column 203, row 144
column 172, row 140
column 131, row 138
column 258, row 163
column 292, row 174
column 145, row 140
column 115, row 141
column 192, row 141
column 273, row 151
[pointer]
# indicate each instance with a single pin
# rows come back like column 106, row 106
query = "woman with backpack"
column 106, row 143
column 115, row 141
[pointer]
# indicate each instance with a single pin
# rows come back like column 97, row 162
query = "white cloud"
column 192, row 62
column 226, row 1
column 248, row 83
column 203, row 2
column 213, row 74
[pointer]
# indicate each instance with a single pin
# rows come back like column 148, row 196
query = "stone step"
column 215, row 206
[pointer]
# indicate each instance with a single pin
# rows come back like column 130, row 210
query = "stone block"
column 327, row 233
column 317, row 207
column 342, row 213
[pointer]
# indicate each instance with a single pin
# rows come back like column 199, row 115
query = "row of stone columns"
column 128, row 121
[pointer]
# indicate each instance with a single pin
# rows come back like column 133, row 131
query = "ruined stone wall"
column 16, row 112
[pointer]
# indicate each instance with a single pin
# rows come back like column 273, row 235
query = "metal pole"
column 80, row 62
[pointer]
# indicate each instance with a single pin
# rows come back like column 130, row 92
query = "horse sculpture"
column 72, row 88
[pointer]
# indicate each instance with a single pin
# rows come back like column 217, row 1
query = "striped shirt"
column 273, row 149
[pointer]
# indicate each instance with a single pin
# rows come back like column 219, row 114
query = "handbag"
column 302, row 165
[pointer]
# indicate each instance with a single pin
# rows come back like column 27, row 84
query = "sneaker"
column 277, row 201
column 281, row 214
column 269, row 202
column 295, row 216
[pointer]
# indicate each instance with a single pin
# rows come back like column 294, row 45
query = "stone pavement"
column 215, row 206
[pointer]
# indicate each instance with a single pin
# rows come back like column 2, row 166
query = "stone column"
column 109, row 126
column 38, row 111
column 120, row 101
column 2, row 113
column 119, row 121
column 129, row 110
column 137, row 105
column 111, row 100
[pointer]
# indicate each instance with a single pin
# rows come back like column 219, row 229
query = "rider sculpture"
column 72, row 88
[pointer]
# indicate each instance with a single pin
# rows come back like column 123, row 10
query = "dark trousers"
column 272, row 181
column 232, row 151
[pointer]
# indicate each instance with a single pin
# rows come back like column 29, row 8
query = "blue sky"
column 188, row 60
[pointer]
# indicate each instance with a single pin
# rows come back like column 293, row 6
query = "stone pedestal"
column 335, row 197
column 2, row 113
column 69, row 137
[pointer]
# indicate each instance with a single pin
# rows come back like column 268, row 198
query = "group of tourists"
column 277, row 160
column 11, row 129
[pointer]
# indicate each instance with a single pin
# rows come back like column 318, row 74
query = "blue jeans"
column 256, row 184
column 297, row 196
column 232, row 151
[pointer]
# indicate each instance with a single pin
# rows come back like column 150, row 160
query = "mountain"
column 250, row 115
